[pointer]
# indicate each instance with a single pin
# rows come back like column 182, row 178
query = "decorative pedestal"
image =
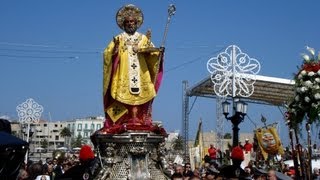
column 131, row 156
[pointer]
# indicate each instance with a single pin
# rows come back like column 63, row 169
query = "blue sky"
column 51, row 51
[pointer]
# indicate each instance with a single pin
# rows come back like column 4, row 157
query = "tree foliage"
column 177, row 144
column 44, row 143
column 227, row 136
column 76, row 142
column 65, row 132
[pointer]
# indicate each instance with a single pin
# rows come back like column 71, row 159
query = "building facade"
column 50, row 131
column 84, row 127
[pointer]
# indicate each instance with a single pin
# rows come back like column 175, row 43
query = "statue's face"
column 130, row 25
column 268, row 140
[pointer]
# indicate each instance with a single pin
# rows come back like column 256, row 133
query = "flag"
column 199, row 143
column 198, row 135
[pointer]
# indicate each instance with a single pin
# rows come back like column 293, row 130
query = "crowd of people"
column 61, row 167
column 233, row 166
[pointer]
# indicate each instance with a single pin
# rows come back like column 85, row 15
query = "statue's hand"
column 148, row 34
column 162, row 49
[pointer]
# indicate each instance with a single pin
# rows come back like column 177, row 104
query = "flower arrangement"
column 307, row 90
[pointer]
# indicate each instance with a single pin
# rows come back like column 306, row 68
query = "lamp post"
column 27, row 133
column 240, row 110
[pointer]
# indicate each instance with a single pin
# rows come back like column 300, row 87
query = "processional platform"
column 132, row 155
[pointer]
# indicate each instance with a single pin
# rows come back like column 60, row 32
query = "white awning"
column 267, row 90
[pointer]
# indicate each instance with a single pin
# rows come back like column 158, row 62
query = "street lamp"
column 27, row 131
column 240, row 109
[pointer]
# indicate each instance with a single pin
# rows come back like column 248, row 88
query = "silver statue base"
column 132, row 156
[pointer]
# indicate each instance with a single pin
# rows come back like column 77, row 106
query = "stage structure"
column 222, row 84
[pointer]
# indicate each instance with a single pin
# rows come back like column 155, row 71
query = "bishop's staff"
column 171, row 12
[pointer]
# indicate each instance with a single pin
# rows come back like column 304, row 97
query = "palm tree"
column 177, row 144
column 77, row 142
column 65, row 133
column 44, row 143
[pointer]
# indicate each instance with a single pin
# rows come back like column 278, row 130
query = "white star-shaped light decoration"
column 29, row 111
column 233, row 73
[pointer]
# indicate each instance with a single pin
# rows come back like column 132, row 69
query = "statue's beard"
column 130, row 30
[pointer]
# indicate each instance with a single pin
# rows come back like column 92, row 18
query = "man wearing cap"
column 235, row 170
column 132, row 72
column 247, row 147
column 86, row 170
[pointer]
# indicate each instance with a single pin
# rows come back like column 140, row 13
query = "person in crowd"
column 45, row 165
column 187, row 170
column 272, row 174
column 249, row 172
column 240, row 144
column 212, row 152
column 247, row 147
column 23, row 174
column 170, row 168
column 50, row 171
column 87, row 169
column 196, row 173
column 234, row 170
column 177, row 176
column 35, row 170
column 59, row 168
column 67, row 166
column 316, row 174
column 178, row 171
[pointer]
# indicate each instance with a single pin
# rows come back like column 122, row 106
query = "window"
column 55, row 125
column 79, row 126
column 69, row 126
column 57, row 137
column 86, row 126
column 44, row 125
column 98, row 126
column 92, row 126
column 86, row 134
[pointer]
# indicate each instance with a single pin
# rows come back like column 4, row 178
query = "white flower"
column 317, row 96
column 311, row 73
column 297, row 98
column 316, row 87
column 317, row 80
column 303, row 89
column 303, row 72
column 308, row 83
column 306, row 99
column 311, row 50
column 314, row 105
column 306, row 57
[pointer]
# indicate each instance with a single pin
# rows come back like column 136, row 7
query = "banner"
column 269, row 141
column 195, row 160
column 199, row 141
